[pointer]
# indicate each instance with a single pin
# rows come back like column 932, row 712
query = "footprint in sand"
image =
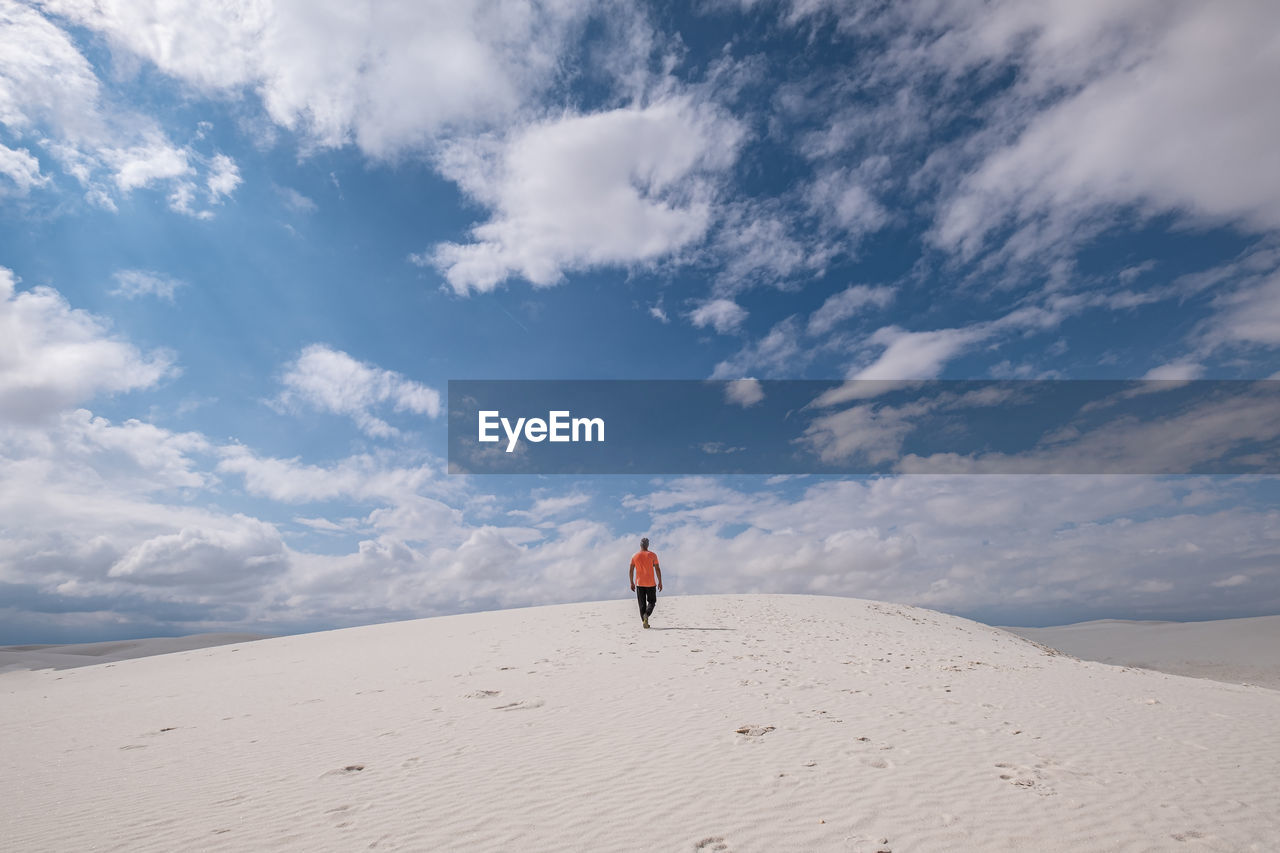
column 1026, row 777
column 349, row 770
column 862, row 844
column 712, row 842
column 521, row 705
column 341, row 816
column 482, row 694
column 754, row 731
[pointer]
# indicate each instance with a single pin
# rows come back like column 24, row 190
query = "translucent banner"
column 863, row 427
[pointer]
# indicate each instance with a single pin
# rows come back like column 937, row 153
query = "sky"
column 244, row 247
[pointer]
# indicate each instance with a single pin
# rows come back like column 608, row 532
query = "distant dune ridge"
column 741, row 723
column 69, row 655
column 1234, row 650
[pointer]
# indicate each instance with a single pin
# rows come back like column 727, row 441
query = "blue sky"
column 245, row 247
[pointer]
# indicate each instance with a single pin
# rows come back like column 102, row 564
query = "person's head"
column 644, row 544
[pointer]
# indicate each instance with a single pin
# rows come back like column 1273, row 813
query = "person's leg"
column 651, row 600
column 640, row 600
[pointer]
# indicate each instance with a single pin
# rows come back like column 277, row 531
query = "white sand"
column 65, row 656
column 1241, row 651
column 571, row 728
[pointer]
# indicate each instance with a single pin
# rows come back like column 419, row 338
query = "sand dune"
column 1241, row 651
column 742, row 723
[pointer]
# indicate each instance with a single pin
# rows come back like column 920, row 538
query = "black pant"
column 647, row 596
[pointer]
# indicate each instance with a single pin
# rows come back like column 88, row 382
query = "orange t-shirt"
column 644, row 561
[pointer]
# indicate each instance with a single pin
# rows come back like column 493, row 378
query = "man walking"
column 644, row 566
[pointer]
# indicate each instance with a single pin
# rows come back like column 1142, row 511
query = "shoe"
column 646, row 621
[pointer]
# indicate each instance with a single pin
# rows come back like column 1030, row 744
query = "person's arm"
column 657, row 568
column 631, row 574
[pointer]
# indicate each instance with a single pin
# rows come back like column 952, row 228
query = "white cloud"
column 717, row 447
column 410, row 503
column 44, row 80
column 134, row 457
column 134, row 283
column 51, row 96
column 324, row 525
column 144, row 165
column 744, row 392
column 1176, row 370
column 296, row 201
column 77, row 491
column 869, row 433
column 875, row 432
column 388, row 77
column 860, row 389
column 154, row 457
column 182, row 199
column 797, row 235
column 224, row 177
column 1027, row 129
column 203, row 556
column 777, row 355
column 546, row 507
column 756, row 244
column 21, row 168
column 363, row 477
column 53, row 356
column 723, row 315
column 625, row 186
column 843, row 200
column 891, row 353
column 861, row 125
column 221, row 181
column 332, row 381
column 1247, row 315
column 98, row 524
column 841, row 306
column 923, row 355
column 917, row 355
column 1165, row 111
